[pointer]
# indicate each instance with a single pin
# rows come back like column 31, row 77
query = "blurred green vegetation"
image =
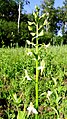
column 57, row 21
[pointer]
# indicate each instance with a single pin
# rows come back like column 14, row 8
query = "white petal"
column 34, row 111
column 29, row 53
column 28, row 78
column 49, row 92
column 40, row 67
column 29, row 109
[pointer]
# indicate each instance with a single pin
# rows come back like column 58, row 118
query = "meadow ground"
column 17, row 65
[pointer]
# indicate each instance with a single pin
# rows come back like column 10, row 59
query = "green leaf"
column 33, row 34
column 55, row 82
column 45, row 22
column 30, row 28
column 35, row 16
column 41, row 33
column 21, row 115
column 16, row 100
column 31, row 23
column 28, row 42
column 41, row 26
column 42, row 16
column 37, row 8
column 55, row 110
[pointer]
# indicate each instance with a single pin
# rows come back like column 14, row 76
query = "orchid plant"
column 35, row 35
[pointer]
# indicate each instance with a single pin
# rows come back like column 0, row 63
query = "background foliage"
column 9, row 17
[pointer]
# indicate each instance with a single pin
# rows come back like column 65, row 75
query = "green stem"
column 36, row 85
column 36, row 117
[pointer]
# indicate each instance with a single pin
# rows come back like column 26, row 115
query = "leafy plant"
column 36, row 35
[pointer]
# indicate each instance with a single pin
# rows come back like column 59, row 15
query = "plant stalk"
column 36, row 117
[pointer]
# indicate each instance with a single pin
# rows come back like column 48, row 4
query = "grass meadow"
column 17, row 82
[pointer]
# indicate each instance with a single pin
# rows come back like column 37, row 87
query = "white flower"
column 48, row 94
column 27, row 77
column 29, row 53
column 41, row 67
column 31, row 109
